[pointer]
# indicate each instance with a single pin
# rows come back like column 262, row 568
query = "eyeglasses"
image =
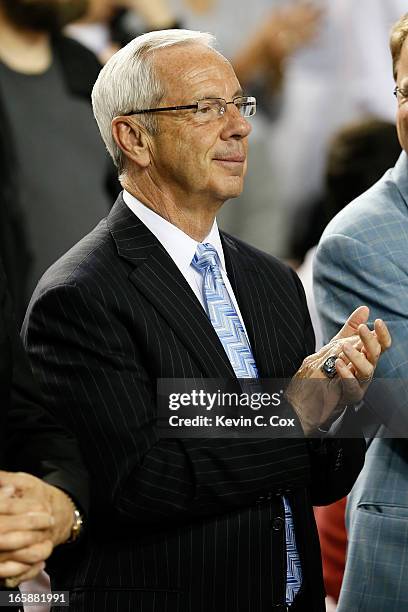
column 401, row 93
column 209, row 108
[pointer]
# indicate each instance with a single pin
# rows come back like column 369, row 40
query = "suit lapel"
column 270, row 319
column 157, row 277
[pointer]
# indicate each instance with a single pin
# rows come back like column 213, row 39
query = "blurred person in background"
column 362, row 256
column 108, row 25
column 358, row 155
column 348, row 66
column 54, row 171
column 258, row 42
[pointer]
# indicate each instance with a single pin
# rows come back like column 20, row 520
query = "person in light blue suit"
column 362, row 258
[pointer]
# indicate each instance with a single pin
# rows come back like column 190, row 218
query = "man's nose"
column 236, row 126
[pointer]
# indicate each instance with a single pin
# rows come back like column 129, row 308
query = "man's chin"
column 235, row 187
column 229, row 194
column 227, row 188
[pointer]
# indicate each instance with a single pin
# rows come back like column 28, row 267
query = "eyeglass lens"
column 215, row 107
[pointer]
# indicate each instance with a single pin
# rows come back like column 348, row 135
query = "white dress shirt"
column 182, row 248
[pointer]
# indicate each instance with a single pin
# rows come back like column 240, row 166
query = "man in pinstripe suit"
column 183, row 525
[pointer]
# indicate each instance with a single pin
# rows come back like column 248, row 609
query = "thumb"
column 350, row 328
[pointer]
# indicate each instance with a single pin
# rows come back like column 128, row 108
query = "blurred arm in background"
column 264, row 54
column 110, row 24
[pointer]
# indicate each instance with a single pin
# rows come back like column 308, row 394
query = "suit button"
column 260, row 499
column 277, row 523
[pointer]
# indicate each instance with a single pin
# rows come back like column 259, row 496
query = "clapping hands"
column 356, row 351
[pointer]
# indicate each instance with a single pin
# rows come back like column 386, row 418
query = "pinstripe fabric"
column 191, row 522
column 363, row 259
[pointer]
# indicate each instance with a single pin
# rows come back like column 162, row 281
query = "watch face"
column 329, row 366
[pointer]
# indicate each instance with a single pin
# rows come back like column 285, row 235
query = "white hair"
column 129, row 82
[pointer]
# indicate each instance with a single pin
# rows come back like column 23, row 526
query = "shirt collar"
column 178, row 244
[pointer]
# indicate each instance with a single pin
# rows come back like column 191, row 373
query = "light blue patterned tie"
column 222, row 314
column 227, row 324
column 293, row 567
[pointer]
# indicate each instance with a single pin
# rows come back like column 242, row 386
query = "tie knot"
column 205, row 256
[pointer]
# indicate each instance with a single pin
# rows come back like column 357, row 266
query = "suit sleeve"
column 349, row 273
column 335, row 463
column 34, row 441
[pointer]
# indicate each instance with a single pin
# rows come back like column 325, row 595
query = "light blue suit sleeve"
column 349, row 272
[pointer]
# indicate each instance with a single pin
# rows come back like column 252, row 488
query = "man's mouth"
column 235, row 159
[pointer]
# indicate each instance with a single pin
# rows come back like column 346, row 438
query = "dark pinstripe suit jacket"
column 178, row 525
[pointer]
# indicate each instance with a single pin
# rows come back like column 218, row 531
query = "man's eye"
column 207, row 108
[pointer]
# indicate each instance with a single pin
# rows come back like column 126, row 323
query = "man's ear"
column 132, row 140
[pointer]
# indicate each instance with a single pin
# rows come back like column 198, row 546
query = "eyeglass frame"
column 191, row 106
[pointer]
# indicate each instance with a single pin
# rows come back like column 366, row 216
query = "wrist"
column 68, row 518
column 77, row 525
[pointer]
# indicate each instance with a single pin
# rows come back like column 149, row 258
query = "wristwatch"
column 77, row 525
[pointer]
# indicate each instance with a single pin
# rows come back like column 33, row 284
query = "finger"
column 31, row 573
column 358, row 344
column 22, row 506
column 26, row 522
column 352, row 391
column 346, row 371
column 23, row 483
column 332, row 349
column 363, row 368
column 16, row 479
column 343, row 357
column 21, row 539
column 30, row 555
column 9, row 569
column 383, row 334
column 371, row 344
column 359, row 316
